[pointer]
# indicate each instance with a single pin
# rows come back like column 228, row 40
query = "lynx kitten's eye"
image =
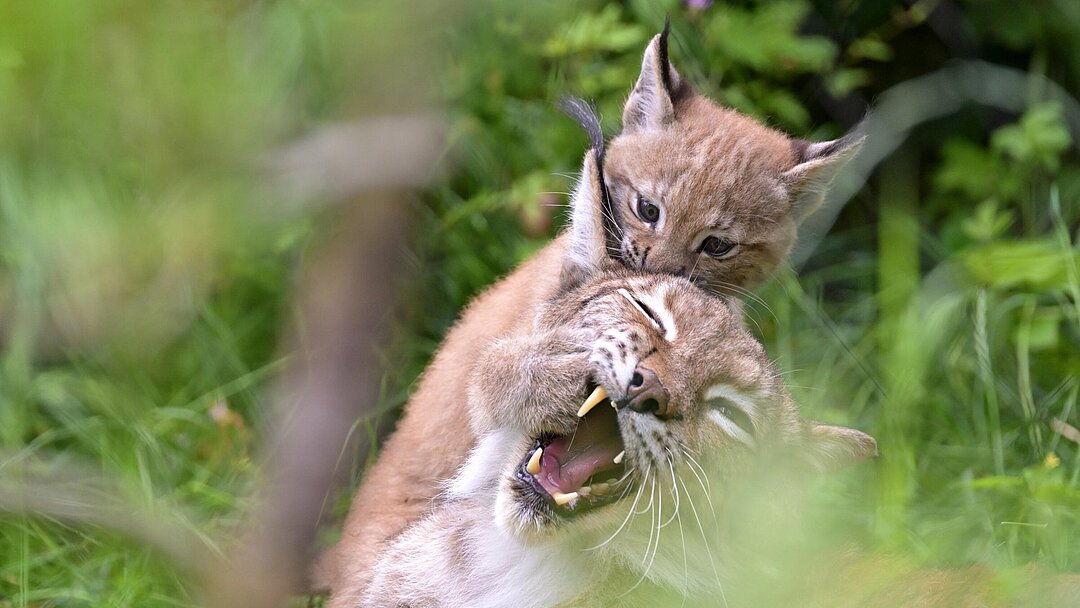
column 648, row 212
column 717, row 247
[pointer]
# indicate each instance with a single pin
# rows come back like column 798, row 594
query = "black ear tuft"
column 665, row 65
column 585, row 114
column 651, row 105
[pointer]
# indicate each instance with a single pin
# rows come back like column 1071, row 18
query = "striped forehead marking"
column 659, row 309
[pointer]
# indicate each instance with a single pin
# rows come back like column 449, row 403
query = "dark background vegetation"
column 147, row 260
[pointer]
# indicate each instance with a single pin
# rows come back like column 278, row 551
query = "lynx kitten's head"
column 703, row 191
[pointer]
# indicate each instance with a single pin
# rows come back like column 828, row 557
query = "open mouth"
column 583, row 470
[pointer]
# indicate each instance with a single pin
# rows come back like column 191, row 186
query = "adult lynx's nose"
column 647, row 394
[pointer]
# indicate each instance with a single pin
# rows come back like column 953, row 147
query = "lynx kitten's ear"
column 815, row 166
column 587, row 246
column 830, row 448
column 652, row 102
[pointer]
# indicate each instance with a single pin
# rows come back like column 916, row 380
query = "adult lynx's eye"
column 648, row 212
column 717, row 247
column 734, row 414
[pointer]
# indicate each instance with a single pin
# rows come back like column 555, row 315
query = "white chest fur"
column 458, row 556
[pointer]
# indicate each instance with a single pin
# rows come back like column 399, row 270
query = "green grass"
column 146, row 269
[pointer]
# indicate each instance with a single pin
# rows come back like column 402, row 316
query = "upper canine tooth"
column 561, row 499
column 534, row 462
column 618, row 457
column 598, row 395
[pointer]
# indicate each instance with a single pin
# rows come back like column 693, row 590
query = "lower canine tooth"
column 561, row 499
column 618, row 458
column 534, row 462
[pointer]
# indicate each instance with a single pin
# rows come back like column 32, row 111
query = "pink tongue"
column 570, row 459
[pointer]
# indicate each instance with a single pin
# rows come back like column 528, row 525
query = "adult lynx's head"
column 704, row 191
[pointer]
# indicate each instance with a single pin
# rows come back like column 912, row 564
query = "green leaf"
column 1045, row 330
column 1036, row 264
column 964, row 167
column 1038, row 139
column 870, row 47
column 768, row 39
column 781, row 104
column 603, row 31
column 844, row 81
column 987, row 222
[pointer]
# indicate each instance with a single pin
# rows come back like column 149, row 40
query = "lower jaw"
column 535, row 504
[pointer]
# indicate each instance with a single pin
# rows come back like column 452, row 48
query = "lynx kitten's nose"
column 646, row 394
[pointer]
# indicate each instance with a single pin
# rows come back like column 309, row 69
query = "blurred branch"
column 1066, row 430
column 343, row 304
column 920, row 100
column 339, row 161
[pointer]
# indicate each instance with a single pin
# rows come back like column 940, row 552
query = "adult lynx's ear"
column 815, row 166
column 593, row 232
column 587, row 247
column 834, row 447
column 652, row 102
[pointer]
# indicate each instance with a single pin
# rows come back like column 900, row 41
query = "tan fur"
column 417, row 459
column 706, row 141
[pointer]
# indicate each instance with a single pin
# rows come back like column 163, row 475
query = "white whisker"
column 705, row 539
column 652, row 496
column 745, row 293
column 682, row 539
column 703, row 482
column 671, row 467
column 651, row 557
column 648, row 507
column 693, row 268
column 693, row 462
column 633, row 507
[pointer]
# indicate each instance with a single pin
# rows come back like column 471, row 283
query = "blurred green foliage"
column 145, row 266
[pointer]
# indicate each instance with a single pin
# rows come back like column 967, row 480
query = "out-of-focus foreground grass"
column 146, row 255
